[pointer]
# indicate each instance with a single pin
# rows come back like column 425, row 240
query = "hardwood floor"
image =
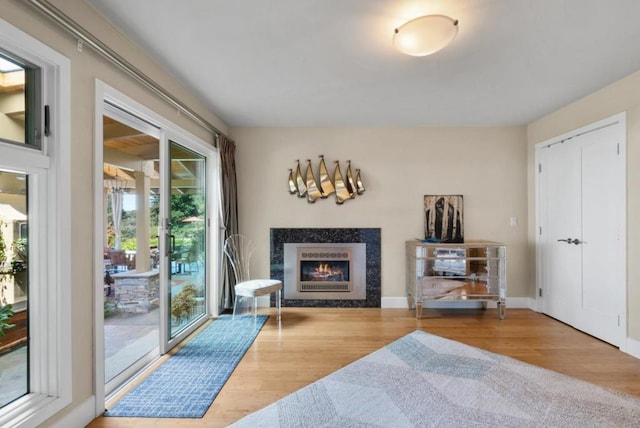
column 313, row 342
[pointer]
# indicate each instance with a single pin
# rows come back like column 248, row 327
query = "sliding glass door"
column 131, row 277
column 154, row 289
column 186, row 243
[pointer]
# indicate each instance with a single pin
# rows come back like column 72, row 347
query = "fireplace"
column 308, row 262
column 325, row 271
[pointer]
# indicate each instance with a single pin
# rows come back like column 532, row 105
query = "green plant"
column 110, row 308
column 183, row 302
column 128, row 244
column 20, row 250
column 6, row 312
column 17, row 266
column 193, row 253
column 3, row 245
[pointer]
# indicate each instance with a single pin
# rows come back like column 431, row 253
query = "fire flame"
column 323, row 270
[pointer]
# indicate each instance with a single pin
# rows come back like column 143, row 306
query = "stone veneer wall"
column 137, row 292
column 369, row 236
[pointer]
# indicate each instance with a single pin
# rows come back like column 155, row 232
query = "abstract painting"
column 443, row 218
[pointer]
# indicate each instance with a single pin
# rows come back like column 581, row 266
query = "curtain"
column 116, row 215
column 228, row 212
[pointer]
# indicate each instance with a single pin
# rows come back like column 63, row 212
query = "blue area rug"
column 188, row 382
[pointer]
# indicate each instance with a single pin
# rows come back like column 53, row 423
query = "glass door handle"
column 170, row 241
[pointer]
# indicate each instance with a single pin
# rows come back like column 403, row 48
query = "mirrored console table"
column 470, row 271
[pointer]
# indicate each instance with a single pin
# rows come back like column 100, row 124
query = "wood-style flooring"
column 310, row 343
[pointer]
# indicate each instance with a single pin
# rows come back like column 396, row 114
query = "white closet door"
column 603, row 212
column 581, row 188
column 563, row 210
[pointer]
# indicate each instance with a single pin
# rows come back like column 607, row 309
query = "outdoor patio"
column 132, row 331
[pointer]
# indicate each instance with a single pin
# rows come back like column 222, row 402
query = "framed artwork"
column 443, row 218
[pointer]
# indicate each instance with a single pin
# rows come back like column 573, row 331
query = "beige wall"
column 87, row 66
column 399, row 166
column 621, row 96
column 487, row 165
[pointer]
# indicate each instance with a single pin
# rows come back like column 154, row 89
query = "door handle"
column 572, row 241
column 170, row 244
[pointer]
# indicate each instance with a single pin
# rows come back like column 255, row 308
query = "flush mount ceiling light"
column 425, row 35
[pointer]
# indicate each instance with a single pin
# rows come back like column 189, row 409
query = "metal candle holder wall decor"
column 308, row 186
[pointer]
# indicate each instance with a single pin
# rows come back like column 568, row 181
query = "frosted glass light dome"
column 425, row 35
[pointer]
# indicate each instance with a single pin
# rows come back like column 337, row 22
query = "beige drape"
column 228, row 212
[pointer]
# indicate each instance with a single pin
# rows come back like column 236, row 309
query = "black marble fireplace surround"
column 368, row 236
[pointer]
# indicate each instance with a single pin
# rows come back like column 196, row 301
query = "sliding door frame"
column 106, row 94
column 169, row 136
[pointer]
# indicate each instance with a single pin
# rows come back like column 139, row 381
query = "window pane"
column 188, row 214
column 20, row 116
column 131, row 257
column 14, row 268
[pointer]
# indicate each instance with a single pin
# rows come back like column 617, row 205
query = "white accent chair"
column 238, row 249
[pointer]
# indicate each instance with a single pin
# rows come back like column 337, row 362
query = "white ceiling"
column 331, row 62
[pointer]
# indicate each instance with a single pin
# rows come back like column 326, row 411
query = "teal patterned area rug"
column 188, row 382
column 422, row 380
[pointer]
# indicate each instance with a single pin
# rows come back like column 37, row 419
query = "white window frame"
column 49, row 196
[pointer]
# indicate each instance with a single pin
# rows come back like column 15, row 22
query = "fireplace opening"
column 325, row 271
column 324, row 275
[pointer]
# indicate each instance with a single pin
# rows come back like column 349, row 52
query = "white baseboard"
column 633, row 347
column 512, row 302
column 394, row 302
column 80, row 416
